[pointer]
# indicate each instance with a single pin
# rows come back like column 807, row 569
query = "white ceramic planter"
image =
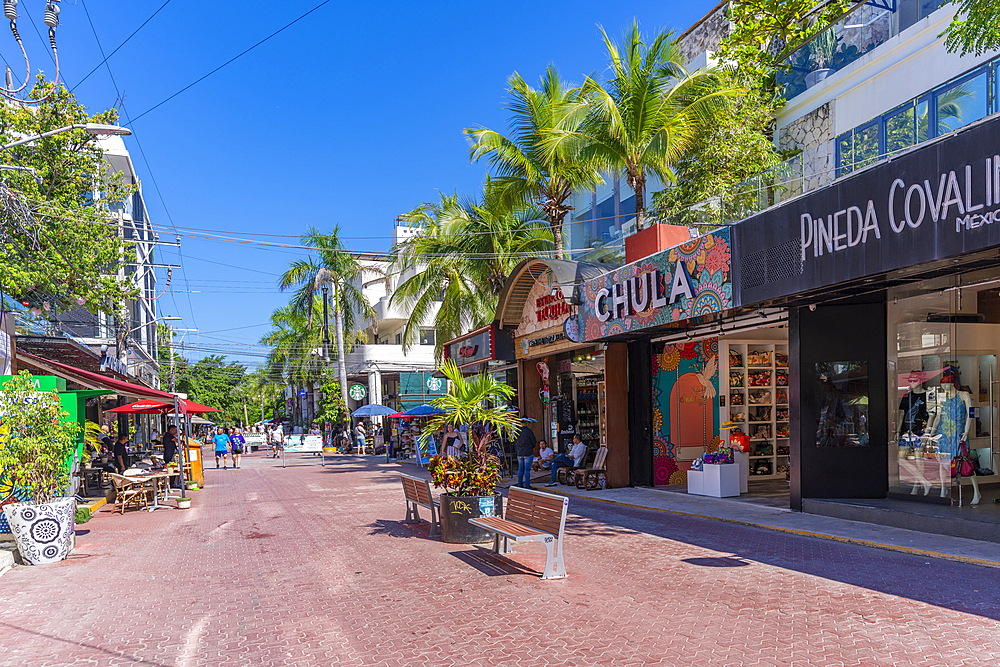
column 43, row 533
column 183, row 504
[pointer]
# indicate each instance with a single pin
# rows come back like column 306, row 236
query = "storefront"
column 891, row 279
column 488, row 349
column 560, row 377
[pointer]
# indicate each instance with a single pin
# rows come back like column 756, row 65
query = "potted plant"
column 191, row 485
column 183, row 503
column 36, row 451
column 470, row 481
column 821, row 49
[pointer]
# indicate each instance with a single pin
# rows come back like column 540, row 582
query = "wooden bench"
column 590, row 478
column 418, row 493
column 531, row 516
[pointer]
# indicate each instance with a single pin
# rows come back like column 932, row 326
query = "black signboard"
column 938, row 201
column 566, row 416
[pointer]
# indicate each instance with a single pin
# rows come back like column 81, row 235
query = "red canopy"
column 125, row 388
column 149, row 407
column 143, row 407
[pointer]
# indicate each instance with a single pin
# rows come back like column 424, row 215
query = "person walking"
column 359, row 432
column 238, row 443
column 221, row 441
column 524, row 448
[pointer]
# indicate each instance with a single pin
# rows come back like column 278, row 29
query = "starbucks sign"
column 434, row 384
column 357, row 392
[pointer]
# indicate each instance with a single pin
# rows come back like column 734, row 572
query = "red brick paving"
column 311, row 566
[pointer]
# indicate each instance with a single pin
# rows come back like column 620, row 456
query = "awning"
column 120, row 386
column 149, row 407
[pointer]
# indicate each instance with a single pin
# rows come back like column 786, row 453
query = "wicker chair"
column 130, row 491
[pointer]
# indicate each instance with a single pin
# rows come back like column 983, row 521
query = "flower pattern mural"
column 707, row 260
column 685, row 387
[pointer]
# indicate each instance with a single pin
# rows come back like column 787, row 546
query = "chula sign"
column 641, row 293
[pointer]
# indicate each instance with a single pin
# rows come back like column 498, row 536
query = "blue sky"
column 350, row 117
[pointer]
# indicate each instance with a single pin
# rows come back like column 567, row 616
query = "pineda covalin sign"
column 937, row 201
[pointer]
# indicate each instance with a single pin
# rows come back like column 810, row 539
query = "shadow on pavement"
column 722, row 561
column 94, row 647
column 484, row 561
column 391, row 528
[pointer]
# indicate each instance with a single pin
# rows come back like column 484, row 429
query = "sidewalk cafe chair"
column 129, row 492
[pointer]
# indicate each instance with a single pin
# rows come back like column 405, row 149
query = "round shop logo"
column 434, row 384
column 357, row 392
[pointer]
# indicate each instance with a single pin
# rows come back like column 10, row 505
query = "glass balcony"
column 867, row 27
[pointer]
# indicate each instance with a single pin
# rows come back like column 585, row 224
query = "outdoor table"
column 155, row 477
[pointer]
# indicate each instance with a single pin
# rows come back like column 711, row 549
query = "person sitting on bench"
column 574, row 460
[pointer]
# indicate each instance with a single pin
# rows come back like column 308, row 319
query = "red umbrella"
column 146, row 406
column 195, row 408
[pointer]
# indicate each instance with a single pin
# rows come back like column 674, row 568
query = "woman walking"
column 221, row 441
column 238, row 444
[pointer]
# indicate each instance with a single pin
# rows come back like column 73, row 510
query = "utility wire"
column 106, row 58
column 238, row 55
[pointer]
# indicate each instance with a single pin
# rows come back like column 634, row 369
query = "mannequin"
column 951, row 423
column 913, row 420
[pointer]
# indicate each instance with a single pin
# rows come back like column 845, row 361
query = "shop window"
column 961, row 103
column 842, row 395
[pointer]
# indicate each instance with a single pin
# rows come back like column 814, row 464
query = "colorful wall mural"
column 686, row 281
column 685, row 413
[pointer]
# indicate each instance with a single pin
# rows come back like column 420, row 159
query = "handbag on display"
column 961, row 464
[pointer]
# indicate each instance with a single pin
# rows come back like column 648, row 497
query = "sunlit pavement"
column 311, row 565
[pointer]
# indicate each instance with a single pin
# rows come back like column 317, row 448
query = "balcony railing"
column 864, row 29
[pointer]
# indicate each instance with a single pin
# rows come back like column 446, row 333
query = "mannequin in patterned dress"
column 952, row 423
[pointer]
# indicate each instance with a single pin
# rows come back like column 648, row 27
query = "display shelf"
column 758, row 379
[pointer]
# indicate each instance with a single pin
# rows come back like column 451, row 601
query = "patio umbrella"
column 423, row 411
column 372, row 410
column 144, row 407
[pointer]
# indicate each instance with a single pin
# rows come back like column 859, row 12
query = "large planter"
column 817, row 75
column 43, row 532
column 456, row 512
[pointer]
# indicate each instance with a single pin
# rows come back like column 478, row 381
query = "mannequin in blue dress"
column 952, row 424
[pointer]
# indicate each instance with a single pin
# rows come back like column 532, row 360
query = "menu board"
column 566, row 417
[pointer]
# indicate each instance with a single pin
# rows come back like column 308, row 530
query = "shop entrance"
column 706, row 389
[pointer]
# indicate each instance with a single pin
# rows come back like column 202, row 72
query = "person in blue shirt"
column 221, row 441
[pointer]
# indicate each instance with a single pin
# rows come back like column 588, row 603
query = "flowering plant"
column 479, row 402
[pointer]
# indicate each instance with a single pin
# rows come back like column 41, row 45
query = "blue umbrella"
column 373, row 410
column 423, row 411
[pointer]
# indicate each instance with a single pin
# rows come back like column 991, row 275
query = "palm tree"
column 343, row 273
column 461, row 258
column 645, row 117
column 525, row 170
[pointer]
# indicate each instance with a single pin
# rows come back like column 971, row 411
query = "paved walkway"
column 310, row 565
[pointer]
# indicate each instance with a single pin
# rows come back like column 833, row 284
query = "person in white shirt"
column 545, row 456
column 361, row 436
column 574, row 460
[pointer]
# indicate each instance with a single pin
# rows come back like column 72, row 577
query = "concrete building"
column 380, row 363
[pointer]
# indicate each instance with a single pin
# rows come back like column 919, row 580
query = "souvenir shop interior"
column 724, row 391
column 578, row 397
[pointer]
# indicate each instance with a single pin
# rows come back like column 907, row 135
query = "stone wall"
column 706, row 34
column 813, row 135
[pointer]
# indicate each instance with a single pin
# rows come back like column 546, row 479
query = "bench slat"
column 508, row 527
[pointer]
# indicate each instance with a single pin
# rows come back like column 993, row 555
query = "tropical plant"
column 332, row 408
column 975, row 28
column 461, row 257
column 92, row 437
column 57, row 248
column 479, row 402
column 343, row 274
column 822, row 47
column 645, row 117
column 540, row 162
column 38, row 442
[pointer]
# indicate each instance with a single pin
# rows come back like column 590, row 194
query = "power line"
column 238, row 55
column 106, row 58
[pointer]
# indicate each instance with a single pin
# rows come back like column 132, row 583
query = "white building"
column 380, row 364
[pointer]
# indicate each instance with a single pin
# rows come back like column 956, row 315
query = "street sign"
column 358, row 392
column 302, row 393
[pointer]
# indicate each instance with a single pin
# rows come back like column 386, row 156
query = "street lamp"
column 166, row 318
column 91, row 128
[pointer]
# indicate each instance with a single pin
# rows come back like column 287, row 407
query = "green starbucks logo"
column 434, row 384
column 357, row 392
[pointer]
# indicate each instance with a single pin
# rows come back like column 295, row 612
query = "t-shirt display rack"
column 754, row 379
